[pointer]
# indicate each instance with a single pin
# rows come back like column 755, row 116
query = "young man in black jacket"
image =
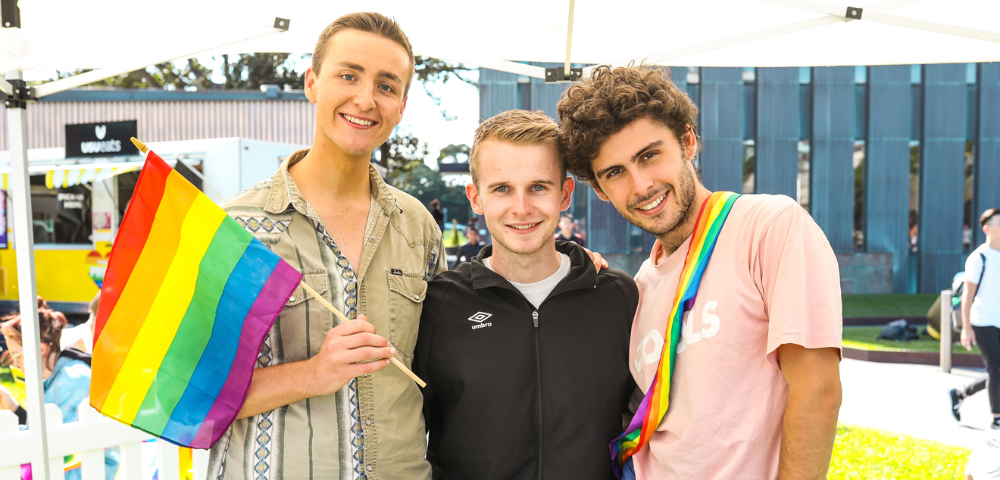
column 525, row 348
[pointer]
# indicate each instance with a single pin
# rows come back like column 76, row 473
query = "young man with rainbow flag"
column 736, row 342
column 525, row 347
column 321, row 404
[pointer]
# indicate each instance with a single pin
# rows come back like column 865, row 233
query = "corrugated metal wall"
column 778, row 119
column 287, row 121
column 721, row 112
column 831, row 151
column 889, row 108
column 987, row 174
column 942, row 175
column 887, row 167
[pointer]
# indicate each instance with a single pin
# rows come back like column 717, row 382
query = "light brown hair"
column 369, row 22
column 521, row 127
column 611, row 99
column 50, row 323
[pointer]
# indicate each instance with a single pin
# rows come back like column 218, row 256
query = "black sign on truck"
column 106, row 139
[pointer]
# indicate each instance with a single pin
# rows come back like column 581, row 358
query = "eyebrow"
column 535, row 182
column 381, row 74
column 652, row 145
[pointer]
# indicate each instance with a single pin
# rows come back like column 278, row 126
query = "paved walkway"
column 912, row 399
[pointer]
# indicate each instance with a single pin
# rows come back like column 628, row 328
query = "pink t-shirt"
column 772, row 279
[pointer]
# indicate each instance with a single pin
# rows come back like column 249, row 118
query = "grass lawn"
column 889, row 305
column 861, row 452
column 863, row 338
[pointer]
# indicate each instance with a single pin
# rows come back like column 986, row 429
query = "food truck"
column 79, row 201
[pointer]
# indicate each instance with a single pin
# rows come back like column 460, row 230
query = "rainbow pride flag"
column 187, row 300
column 654, row 405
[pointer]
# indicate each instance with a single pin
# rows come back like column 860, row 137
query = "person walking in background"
column 567, row 230
column 981, row 314
column 435, row 208
column 471, row 249
column 65, row 374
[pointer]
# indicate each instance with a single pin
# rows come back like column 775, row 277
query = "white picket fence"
column 89, row 436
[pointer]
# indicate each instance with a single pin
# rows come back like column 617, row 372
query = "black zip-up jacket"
column 515, row 392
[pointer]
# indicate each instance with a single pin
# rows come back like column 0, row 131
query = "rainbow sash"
column 712, row 216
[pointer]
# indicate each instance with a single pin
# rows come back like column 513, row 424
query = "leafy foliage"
column 409, row 173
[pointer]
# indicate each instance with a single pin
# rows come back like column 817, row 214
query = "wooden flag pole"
column 141, row 146
column 336, row 312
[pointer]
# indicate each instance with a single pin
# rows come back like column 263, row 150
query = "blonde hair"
column 522, row 127
column 369, row 22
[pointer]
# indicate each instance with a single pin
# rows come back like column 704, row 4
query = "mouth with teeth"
column 357, row 121
column 652, row 205
column 524, row 226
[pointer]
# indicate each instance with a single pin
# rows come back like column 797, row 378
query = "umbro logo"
column 479, row 318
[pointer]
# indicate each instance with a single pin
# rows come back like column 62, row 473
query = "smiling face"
column 359, row 92
column 645, row 173
column 521, row 191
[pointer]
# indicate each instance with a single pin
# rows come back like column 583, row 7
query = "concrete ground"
column 913, row 400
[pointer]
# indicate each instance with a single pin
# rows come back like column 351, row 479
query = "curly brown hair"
column 611, row 99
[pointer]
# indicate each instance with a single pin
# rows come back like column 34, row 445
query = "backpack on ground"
column 899, row 330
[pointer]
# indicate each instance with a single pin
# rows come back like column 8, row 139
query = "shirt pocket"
column 317, row 279
column 406, row 297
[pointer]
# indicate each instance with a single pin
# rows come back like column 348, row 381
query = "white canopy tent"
column 118, row 36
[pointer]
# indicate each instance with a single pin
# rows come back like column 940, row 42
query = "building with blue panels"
column 894, row 163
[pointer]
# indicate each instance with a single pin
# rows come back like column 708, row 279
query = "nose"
column 641, row 183
column 364, row 98
column 522, row 206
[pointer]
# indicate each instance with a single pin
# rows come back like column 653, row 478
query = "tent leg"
column 24, row 246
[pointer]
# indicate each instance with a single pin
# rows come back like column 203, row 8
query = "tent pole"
column 24, row 246
column 569, row 36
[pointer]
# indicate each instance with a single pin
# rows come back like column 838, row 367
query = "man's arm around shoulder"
column 810, row 422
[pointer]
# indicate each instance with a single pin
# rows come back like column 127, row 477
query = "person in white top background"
column 981, row 311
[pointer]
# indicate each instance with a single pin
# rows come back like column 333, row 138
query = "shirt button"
column 368, row 467
column 416, row 296
column 368, row 421
column 371, row 239
column 292, row 298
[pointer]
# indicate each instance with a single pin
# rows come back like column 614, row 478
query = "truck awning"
column 61, row 175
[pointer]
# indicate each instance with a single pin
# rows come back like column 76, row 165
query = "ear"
column 690, row 143
column 473, row 193
column 567, row 193
column 598, row 191
column 311, row 85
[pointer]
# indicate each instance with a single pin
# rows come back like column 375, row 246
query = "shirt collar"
column 285, row 193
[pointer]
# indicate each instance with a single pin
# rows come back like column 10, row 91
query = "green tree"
column 409, row 173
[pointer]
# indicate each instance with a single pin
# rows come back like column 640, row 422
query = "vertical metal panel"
column 721, row 106
column 987, row 176
column 887, row 167
column 607, row 231
column 942, row 175
column 497, row 92
column 777, row 140
column 832, row 153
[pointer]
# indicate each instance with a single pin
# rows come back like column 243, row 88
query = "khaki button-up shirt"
column 311, row 438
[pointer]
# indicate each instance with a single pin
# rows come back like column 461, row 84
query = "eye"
column 386, row 88
column 348, row 77
column 648, row 155
column 501, row 189
column 613, row 173
column 538, row 188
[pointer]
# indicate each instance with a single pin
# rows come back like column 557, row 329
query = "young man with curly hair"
column 755, row 388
